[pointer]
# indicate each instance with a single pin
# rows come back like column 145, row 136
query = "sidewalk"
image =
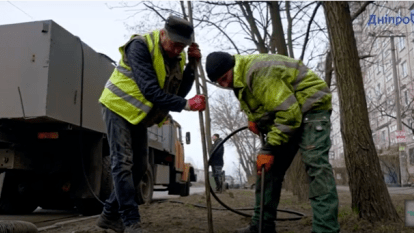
column 391, row 190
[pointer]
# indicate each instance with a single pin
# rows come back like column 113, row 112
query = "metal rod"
column 262, row 186
column 207, row 111
column 203, row 139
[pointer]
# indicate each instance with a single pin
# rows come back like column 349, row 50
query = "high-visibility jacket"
column 122, row 94
column 276, row 91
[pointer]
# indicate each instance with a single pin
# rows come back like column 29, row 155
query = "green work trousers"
column 313, row 141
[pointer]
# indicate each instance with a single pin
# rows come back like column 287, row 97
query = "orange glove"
column 197, row 103
column 253, row 127
column 265, row 160
column 194, row 52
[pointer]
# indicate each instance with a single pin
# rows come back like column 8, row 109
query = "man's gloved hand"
column 197, row 103
column 253, row 127
column 264, row 159
column 194, row 52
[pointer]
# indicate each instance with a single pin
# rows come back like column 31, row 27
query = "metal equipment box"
column 49, row 75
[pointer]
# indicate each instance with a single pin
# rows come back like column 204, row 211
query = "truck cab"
column 167, row 170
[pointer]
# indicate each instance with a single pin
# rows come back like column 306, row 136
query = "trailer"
column 53, row 147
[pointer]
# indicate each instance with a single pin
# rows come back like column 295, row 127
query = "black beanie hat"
column 218, row 63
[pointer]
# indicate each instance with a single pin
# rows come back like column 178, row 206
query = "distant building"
column 379, row 85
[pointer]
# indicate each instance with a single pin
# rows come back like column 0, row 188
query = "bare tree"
column 227, row 118
column 366, row 185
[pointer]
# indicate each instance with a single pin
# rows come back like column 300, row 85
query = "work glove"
column 264, row 159
column 197, row 103
column 194, row 52
column 253, row 127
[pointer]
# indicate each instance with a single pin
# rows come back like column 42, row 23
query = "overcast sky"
column 103, row 30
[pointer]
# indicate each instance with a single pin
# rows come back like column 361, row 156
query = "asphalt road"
column 43, row 218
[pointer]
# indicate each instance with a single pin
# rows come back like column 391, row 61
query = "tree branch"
column 307, row 33
column 360, row 10
column 162, row 17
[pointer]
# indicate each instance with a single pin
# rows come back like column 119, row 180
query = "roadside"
column 391, row 190
column 181, row 214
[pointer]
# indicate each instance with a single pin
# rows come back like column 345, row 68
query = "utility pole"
column 402, row 155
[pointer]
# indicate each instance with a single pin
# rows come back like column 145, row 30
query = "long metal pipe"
column 203, row 139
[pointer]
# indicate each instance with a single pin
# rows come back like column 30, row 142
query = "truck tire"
column 185, row 188
column 145, row 188
column 91, row 206
column 15, row 198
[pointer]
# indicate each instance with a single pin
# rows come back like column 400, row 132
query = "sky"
column 104, row 31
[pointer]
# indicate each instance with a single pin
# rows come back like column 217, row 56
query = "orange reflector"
column 48, row 135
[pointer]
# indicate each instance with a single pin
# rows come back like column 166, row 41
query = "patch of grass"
column 306, row 206
column 306, row 221
column 286, row 201
column 189, row 206
column 345, row 214
column 356, row 227
column 400, row 210
column 391, row 227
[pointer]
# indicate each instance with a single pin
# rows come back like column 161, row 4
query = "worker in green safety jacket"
column 291, row 106
column 149, row 81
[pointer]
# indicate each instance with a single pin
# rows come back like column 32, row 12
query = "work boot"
column 255, row 229
column 114, row 224
column 135, row 228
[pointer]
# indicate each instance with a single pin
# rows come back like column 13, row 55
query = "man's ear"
column 162, row 34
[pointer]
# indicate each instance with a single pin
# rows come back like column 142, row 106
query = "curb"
column 61, row 224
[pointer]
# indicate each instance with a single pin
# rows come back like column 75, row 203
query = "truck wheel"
column 16, row 198
column 91, row 206
column 185, row 189
column 145, row 188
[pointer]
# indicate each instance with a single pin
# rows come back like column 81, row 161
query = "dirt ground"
column 170, row 216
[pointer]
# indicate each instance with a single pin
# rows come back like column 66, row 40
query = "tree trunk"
column 370, row 197
column 297, row 179
column 278, row 37
column 289, row 29
column 256, row 37
column 328, row 69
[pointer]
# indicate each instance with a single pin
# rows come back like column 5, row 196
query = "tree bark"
column 328, row 68
column 370, row 197
column 297, row 180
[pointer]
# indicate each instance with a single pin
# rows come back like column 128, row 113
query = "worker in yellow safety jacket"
column 149, row 81
column 291, row 106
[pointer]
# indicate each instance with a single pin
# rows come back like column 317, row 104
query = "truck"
column 54, row 152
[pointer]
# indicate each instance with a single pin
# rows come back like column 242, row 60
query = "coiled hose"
column 301, row 215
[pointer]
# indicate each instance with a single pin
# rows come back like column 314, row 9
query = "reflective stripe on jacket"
column 122, row 94
column 275, row 91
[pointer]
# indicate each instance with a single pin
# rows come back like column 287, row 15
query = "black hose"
column 213, row 153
